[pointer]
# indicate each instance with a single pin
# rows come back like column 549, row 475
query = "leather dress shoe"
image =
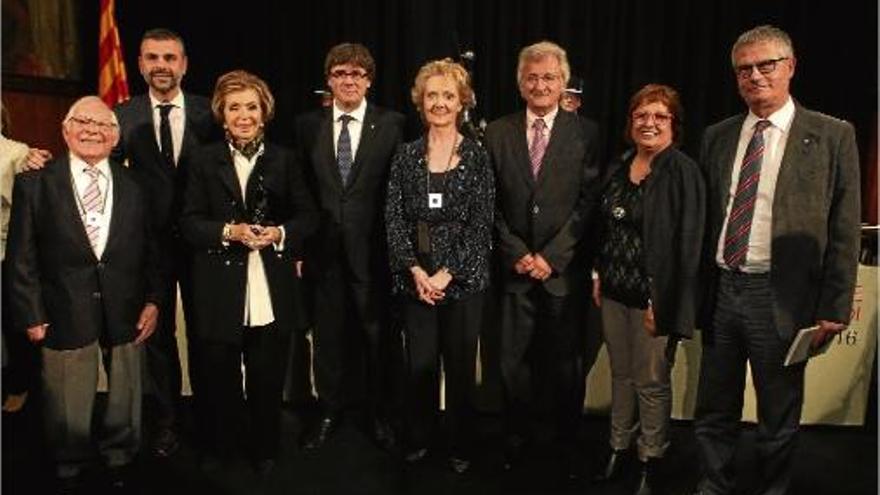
column 319, row 436
column 613, row 467
column 383, row 435
column 264, row 467
column 513, row 452
column 165, row 443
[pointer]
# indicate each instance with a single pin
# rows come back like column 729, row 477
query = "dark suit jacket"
column 547, row 215
column 815, row 231
column 55, row 276
column 163, row 183
column 673, row 223
column 351, row 236
column 213, row 198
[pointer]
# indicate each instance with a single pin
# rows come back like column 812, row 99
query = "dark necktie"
column 739, row 223
column 344, row 157
column 165, row 141
column 538, row 147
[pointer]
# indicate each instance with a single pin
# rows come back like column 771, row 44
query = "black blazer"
column 674, row 204
column 213, row 198
column 351, row 234
column 163, row 184
column 547, row 215
column 815, row 227
column 55, row 276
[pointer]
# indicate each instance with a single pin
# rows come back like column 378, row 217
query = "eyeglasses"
column 532, row 79
column 87, row 122
column 764, row 67
column 355, row 75
column 661, row 119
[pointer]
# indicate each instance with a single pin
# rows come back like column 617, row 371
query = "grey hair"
column 540, row 50
column 761, row 34
column 85, row 99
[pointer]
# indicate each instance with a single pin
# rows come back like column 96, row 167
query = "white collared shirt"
column 177, row 119
column 760, row 238
column 355, row 126
column 81, row 180
column 257, row 298
column 549, row 119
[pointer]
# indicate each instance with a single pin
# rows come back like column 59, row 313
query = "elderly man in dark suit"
column 84, row 283
column 160, row 131
column 781, row 254
column 544, row 161
column 346, row 150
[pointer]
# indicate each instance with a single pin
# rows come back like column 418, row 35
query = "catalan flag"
column 112, row 81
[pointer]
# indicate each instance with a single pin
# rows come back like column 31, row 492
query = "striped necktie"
column 538, row 147
column 92, row 203
column 739, row 223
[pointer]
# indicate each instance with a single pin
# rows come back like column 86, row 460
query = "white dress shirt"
column 105, row 184
column 257, row 299
column 177, row 119
column 531, row 117
column 760, row 238
column 355, row 126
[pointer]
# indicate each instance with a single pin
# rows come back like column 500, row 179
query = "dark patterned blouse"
column 621, row 265
column 459, row 231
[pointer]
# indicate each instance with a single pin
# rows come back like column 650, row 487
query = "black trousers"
column 743, row 329
column 449, row 332
column 162, row 379
column 541, row 352
column 352, row 345
column 226, row 414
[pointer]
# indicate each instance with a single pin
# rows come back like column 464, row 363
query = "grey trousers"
column 641, row 396
column 70, row 380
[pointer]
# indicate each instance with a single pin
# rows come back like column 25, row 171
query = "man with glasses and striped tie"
column 781, row 254
column 85, row 281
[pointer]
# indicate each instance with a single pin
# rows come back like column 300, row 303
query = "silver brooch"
column 618, row 212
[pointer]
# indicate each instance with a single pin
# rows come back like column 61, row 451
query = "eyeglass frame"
column 769, row 67
column 355, row 75
column 661, row 119
column 548, row 78
column 86, row 122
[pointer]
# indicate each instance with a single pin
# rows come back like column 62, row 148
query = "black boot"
column 613, row 467
column 649, row 477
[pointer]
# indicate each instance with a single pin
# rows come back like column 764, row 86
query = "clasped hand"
column 255, row 237
column 533, row 265
column 430, row 289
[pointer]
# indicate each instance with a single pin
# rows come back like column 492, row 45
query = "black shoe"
column 416, row 456
column 69, row 485
column 459, row 465
column 165, row 443
column 613, row 467
column 319, row 436
column 383, row 435
column 264, row 467
column 513, row 452
column 649, row 477
column 119, row 479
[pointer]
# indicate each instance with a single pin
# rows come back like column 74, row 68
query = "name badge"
column 435, row 200
column 93, row 218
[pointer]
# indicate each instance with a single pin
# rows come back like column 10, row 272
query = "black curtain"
column 616, row 46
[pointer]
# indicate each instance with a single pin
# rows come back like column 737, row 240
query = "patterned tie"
column 165, row 140
column 538, row 147
column 739, row 223
column 344, row 157
column 92, row 203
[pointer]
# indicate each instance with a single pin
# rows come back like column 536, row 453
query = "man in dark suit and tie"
column 160, row 131
column 544, row 161
column 346, row 150
column 781, row 254
column 84, row 282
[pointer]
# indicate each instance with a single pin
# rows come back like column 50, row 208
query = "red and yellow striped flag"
column 112, row 81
